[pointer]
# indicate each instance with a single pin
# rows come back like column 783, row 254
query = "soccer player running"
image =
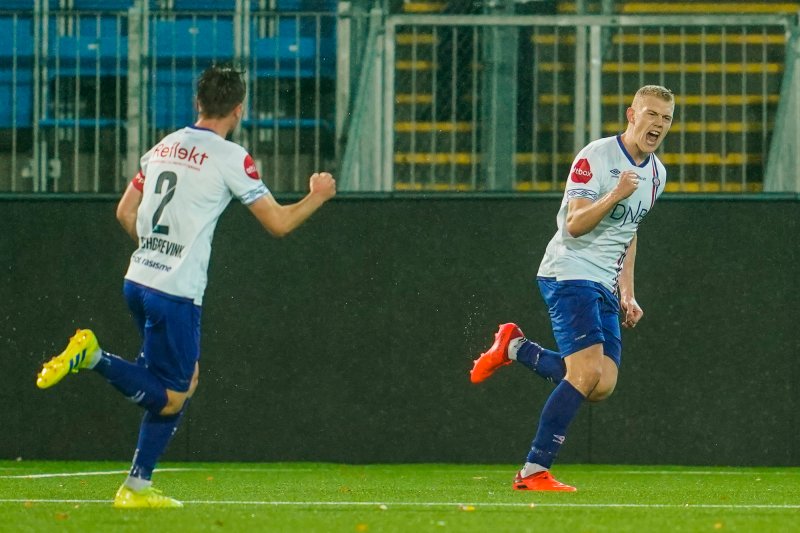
column 171, row 209
column 586, row 276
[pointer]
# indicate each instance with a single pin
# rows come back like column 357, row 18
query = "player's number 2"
column 171, row 180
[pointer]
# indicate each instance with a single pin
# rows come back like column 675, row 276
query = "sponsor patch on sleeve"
column 138, row 181
column 581, row 172
column 250, row 167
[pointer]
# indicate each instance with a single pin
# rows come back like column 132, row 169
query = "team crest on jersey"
column 581, row 172
column 250, row 167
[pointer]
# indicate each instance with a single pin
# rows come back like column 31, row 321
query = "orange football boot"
column 496, row 356
column 540, row 481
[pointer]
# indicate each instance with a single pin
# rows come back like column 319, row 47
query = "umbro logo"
column 615, row 171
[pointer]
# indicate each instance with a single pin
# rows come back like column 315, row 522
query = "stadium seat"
column 181, row 48
column 189, row 39
column 17, row 5
column 291, row 50
column 99, row 5
column 284, row 57
column 96, row 44
column 204, row 6
column 16, row 81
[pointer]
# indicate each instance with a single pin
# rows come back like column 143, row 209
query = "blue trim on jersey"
column 192, row 126
column 625, row 151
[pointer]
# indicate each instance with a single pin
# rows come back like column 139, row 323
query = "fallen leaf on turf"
column 467, row 507
column 362, row 527
column 61, row 516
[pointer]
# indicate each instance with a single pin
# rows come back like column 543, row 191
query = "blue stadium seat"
column 172, row 98
column 289, row 57
column 90, row 47
column 292, row 49
column 182, row 48
column 205, row 6
column 190, row 39
column 292, row 6
column 101, row 5
column 98, row 44
column 16, row 85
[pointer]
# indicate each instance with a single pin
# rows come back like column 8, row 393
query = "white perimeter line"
column 650, row 472
column 157, row 470
column 472, row 506
column 473, row 472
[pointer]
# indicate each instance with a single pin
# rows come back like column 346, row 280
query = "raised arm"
column 583, row 215
column 127, row 208
column 280, row 220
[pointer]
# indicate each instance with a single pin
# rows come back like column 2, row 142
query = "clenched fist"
column 627, row 185
column 323, row 184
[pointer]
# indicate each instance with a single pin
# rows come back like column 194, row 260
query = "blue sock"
column 557, row 413
column 135, row 381
column 154, row 435
column 545, row 363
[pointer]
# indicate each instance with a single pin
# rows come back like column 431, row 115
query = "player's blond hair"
column 652, row 90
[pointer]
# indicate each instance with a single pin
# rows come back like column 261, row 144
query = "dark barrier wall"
column 351, row 339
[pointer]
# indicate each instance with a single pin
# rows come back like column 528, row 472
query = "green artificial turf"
column 330, row 497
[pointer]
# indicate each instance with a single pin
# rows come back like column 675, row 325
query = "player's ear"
column 630, row 114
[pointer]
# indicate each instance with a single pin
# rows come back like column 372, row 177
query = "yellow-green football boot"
column 151, row 498
column 78, row 354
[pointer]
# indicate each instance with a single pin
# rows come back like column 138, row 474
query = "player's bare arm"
column 583, row 215
column 627, row 300
column 280, row 220
column 127, row 208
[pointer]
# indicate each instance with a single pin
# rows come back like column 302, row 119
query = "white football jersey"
column 187, row 180
column 598, row 255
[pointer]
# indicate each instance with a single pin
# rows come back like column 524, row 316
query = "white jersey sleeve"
column 241, row 176
column 586, row 176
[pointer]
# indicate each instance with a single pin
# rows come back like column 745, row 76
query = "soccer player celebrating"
column 171, row 209
column 586, row 276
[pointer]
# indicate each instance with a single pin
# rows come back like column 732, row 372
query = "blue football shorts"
column 170, row 330
column 583, row 313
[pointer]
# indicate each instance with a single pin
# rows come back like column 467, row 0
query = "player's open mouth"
column 653, row 136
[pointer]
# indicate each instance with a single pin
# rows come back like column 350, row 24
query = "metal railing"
column 496, row 102
column 453, row 103
column 783, row 174
column 88, row 92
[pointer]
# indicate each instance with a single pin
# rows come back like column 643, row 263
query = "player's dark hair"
column 219, row 90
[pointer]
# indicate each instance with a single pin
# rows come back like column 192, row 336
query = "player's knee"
column 175, row 403
column 585, row 378
column 600, row 393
